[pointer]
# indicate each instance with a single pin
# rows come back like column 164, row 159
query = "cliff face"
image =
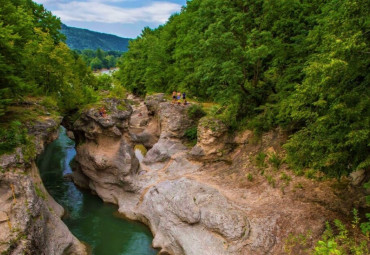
column 29, row 217
column 197, row 200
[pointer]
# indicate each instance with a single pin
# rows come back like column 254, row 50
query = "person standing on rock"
column 178, row 97
column 174, row 97
column 184, row 98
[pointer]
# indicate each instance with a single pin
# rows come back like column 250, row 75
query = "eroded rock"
column 30, row 218
column 212, row 138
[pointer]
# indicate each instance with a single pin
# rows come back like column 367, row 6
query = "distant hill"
column 80, row 39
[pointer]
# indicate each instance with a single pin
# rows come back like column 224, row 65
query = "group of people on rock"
column 176, row 98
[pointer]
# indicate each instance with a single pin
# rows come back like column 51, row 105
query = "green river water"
column 87, row 217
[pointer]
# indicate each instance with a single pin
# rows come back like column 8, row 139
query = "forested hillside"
column 302, row 66
column 98, row 59
column 80, row 39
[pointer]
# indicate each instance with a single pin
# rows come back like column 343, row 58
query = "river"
column 87, row 217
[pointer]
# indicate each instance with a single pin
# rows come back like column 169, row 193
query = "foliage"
column 365, row 226
column 338, row 241
column 12, row 137
column 81, row 39
column 104, row 82
column 118, row 91
column 35, row 61
column 195, row 112
column 250, row 177
column 275, row 160
column 191, row 134
column 301, row 65
column 260, row 159
column 98, row 59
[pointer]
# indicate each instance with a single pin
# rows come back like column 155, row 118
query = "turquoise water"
column 88, row 218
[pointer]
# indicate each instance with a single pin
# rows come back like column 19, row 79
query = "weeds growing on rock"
column 250, row 177
column 271, row 180
column 260, row 159
column 275, row 160
column 285, row 177
column 39, row 192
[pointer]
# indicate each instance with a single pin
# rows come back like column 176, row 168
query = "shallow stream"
column 87, row 217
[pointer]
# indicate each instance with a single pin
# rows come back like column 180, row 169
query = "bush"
column 260, row 159
column 195, row 112
column 49, row 103
column 338, row 241
column 12, row 137
column 191, row 133
column 118, row 91
column 105, row 81
column 275, row 161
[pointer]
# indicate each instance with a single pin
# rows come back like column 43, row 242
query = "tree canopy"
column 301, row 65
column 34, row 60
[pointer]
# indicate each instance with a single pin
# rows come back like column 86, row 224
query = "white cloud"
column 96, row 11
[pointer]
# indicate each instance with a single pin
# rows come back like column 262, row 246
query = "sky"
column 125, row 18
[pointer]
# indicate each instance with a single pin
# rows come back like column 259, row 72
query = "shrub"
column 195, row 112
column 338, row 241
column 105, row 81
column 12, row 137
column 275, row 160
column 118, row 91
column 50, row 103
column 250, row 177
column 191, row 134
column 260, row 159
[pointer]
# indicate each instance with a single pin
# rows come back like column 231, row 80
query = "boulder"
column 152, row 102
column 198, row 217
column 174, row 120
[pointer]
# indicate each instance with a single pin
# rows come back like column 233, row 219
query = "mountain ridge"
column 80, row 39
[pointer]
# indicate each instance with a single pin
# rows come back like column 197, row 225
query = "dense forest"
column 302, row 66
column 98, row 59
column 81, row 39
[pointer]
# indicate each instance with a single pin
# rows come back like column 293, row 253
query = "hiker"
column 102, row 112
column 178, row 97
column 184, row 98
column 174, row 97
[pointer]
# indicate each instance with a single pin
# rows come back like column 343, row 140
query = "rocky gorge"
column 218, row 196
column 210, row 198
column 30, row 219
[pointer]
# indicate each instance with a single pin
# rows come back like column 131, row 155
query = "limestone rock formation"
column 29, row 217
column 212, row 139
column 103, row 152
column 193, row 202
